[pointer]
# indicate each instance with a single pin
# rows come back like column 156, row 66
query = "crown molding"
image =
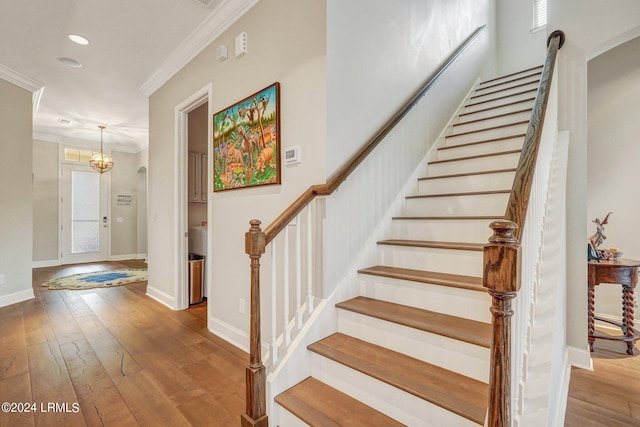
column 222, row 17
column 132, row 148
column 20, row 79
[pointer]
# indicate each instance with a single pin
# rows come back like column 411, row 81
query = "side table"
column 623, row 272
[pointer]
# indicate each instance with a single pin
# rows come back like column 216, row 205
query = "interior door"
column 84, row 219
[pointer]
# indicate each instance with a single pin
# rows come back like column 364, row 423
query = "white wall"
column 124, row 216
column 375, row 62
column 45, row 201
column 613, row 155
column 286, row 43
column 591, row 27
column 16, row 209
column 518, row 47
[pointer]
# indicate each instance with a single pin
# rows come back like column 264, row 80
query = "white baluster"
column 298, row 273
column 287, row 329
column 310, row 210
column 274, row 305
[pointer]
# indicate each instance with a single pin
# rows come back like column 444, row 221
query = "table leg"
column 628, row 314
column 592, row 307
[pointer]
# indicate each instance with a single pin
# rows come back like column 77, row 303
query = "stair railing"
column 503, row 254
column 256, row 241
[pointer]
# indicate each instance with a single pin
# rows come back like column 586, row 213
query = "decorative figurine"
column 596, row 240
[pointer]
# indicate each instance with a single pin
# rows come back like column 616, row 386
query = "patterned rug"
column 98, row 279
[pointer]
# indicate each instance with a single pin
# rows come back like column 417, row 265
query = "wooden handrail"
column 502, row 255
column 340, row 175
column 519, row 198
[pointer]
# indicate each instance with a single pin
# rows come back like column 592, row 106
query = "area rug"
column 98, row 279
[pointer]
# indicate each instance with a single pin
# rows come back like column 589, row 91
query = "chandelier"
column 101, row 161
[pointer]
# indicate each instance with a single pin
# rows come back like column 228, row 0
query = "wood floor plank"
column 94, row 387
column 16, row 389
column 13, row 349
column 51, row 384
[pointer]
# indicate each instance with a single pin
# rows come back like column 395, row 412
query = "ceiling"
column 135, row 46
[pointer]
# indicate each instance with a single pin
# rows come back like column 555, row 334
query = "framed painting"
column 246, row 142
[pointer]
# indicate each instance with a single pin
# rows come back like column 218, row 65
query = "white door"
column 84, row 220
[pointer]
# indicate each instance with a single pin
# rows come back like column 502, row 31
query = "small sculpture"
column 596, row 240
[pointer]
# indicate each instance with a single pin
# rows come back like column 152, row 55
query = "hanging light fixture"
column 101, row 161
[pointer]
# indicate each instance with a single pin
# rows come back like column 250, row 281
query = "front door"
column 84, row 225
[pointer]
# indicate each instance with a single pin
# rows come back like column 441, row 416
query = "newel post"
column 502, row 279
column 256, row 384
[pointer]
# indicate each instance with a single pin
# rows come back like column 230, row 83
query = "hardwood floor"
column 610, row 395
column 114, row 357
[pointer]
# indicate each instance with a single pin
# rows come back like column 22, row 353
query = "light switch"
column 118, row 219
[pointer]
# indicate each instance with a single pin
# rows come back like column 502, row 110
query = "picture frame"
column 246, row 142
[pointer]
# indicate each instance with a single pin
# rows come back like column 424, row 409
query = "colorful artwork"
column 246, row 142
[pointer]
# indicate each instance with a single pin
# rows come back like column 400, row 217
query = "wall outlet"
column 241, row 306
column 1, row 279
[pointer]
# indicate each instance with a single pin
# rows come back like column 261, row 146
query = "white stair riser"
column 470, row 304
column 471, row 231
column 487, row 134
column 397, row 404
column 502, row 161
column 484, row 204
column 520, row 74
column 456, row 152
column 506, row 84
column 458, row 356
column 490, row 112
column 286, row 418
column 475, row 105
column 489, row 95
column 491, row 122
column 467, row 263
column 484, row 182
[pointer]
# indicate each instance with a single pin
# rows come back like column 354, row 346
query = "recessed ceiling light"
column 65, row 122
column 78, row 39
column 70, row 62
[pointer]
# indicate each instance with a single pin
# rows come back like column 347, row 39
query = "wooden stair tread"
column 538, row 67
column 431, row 244
column 484, row 110
column 498, row 153
column 528, row 76
column 512, row 113
column 504, row 89
column 506, row 125
column 456, row 175
column 469, row 331
column 422, row 276
column 461, row 395
column 484, row 141
column 318, row 404
column 473, row 104
column 462, row 193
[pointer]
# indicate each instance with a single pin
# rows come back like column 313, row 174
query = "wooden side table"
column 625, row 273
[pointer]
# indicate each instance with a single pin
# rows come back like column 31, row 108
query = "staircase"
column 413, row 348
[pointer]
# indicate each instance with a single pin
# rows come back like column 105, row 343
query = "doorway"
column 84, row 219
column 182, row 160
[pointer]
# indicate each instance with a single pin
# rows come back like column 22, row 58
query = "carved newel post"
column 501, row 278
column 256, row 384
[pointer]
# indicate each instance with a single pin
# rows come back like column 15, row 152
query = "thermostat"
column 292, row 155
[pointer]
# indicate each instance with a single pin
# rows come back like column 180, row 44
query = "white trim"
column 125, row 257
column 560, row 408
column 181, row 290
column 20, row 79
column 222, row 17
column 46, row 263
column 580, row 357
column 16, row 297
column 160, row 296
column 229, row 333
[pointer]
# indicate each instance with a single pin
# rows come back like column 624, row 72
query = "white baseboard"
column 580, row 357
column 561, row 403
column 229, row 333
column 46, row 263
column 160, row 296
column 125, row 257
column 16, row 297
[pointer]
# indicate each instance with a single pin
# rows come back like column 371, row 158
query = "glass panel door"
column 84, row 221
